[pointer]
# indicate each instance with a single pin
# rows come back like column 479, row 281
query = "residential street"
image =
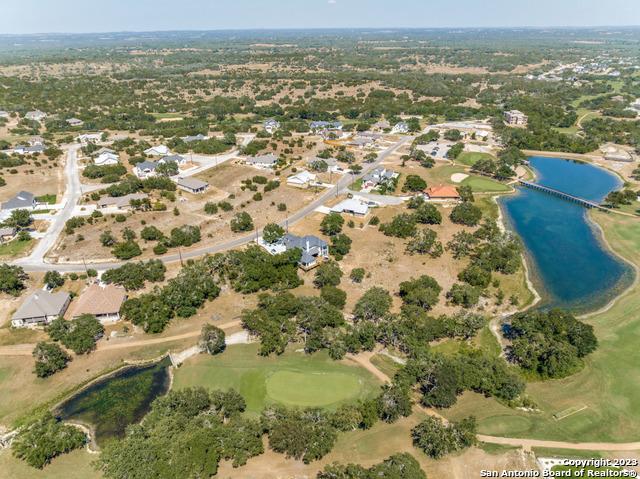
column 35, row 262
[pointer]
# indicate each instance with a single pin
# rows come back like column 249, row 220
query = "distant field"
column 609, row 385
column 76, row 465
column 293, row 379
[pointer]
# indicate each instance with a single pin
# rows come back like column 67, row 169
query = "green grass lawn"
column 480, row 184
column 441, row 175
column 470, row 158
column 75, row 465
column 608, row 388
column 47, row 199
column 292, row 379
column 15, row 247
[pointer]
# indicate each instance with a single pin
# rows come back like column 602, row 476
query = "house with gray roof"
column 145, row 169
column 325, row 125
column 4, row 114
column 378, row 177
column 314, row 250
column 35, row 115
column 192, row 185
column 7, row 233
column 191, row 139
column 29, row 149
column 400, row 127
column 271, row 126
column 120, row 202
column 74, row 122
column 268, row 161
column 23, row 200
column 41, row 307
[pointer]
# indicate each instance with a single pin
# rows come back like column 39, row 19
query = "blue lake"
column 571, row 267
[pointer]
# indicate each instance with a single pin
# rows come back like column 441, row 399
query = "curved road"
column 35, row 262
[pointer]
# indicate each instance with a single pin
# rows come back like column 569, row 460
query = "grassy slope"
column 609, row 385
column 76, row 465
column 292, row 379
column 470, row 158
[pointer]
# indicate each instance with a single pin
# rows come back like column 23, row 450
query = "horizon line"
column 276, row 29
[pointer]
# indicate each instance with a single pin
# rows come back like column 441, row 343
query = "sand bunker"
column 459, row 177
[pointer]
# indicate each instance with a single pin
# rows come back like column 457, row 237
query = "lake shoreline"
column 535, row 283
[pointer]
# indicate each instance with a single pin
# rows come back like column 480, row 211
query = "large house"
column 442, row 193
column 314, row 249
column 102, row 301
column 191, row 139
column 74, row 122
column 317, row 126
column 302, row 179
column 352, row 206
column 192, row 185
column 264, row 162
column 146, row 169
column 7, row 233
column 35, row 115
column 378, row 177
column 271, row 126
column 88, row 138
column 29, row 149
column 515, row 117
column 23, row 200
column 120, row 202
column 400, row 128
column 160, row 150
column 41, row 307
column 106, row 158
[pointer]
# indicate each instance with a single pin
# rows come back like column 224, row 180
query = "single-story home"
column 325, row 125
column 191, row 139
column 160, row 150
column 101, row 300
column 4, row 114
column 35, row 115
column 382, row 125
column 36, row 140
column 87, row 138
column 302, row 179
column 180, row 160
column 442, row 193
column 29, row 150
column 352, row 206
column 106, row 158
column 271, row 126
column 120, row 202
column 41, row 307
column 23, row 200
column 192, row 185
column 333, row 165
column 74, row 122
column 102, row 150
column 7, row 233
column 263, row 161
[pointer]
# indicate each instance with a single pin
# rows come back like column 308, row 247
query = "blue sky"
column 34, row 16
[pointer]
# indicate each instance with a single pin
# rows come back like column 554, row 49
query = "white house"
column 191, row 139
column 145, row 169
column 515, row 117
column 180, row 160
column 271, row 126
column 264, row 162
column 160, row 150
column 4, row 114
column 400, row 128
column 314, row 250
column 106, row 158
column 74, row 122
column 192, row 185
column 353, row 206
column 35, row 115
column 87, row 138
column 302, row 179
column 378, row 177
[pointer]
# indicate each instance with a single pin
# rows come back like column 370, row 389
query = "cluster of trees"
column 490, row 250
column 12, row 279
column 131, row 184
column 504, row 168
column 181, row 296
column 438, row 439
column 133, row 276
column 80, row 334
column 398, row 466
column 106, row 173
column 550, row 344
column 185, row 434
column 49, row 359
column 45, row 438
column 616, row 199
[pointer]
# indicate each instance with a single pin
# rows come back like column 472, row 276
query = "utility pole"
column 180, row 255
column 86, row 270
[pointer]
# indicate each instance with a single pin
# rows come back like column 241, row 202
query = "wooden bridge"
column 563, row 195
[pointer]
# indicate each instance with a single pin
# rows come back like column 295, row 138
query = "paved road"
column 70, row 199
column 35, row 263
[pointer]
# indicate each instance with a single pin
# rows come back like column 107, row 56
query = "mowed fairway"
column 603, row 398
column 292, row 379
column 480, row 184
